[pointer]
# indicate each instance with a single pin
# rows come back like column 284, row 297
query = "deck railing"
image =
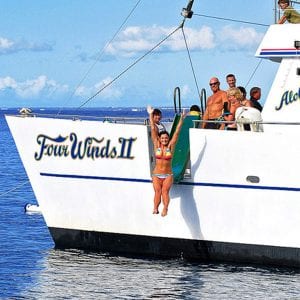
column 107, row 119
column 145, row 121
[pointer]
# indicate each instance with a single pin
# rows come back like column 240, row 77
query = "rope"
column 232, row 20
column 15, row 188
column 129, row 67
column 101, row 53
column 191, row 63
column 253, row 73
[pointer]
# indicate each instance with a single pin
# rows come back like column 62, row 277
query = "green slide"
column 182, row 148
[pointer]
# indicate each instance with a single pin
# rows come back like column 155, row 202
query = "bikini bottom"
column 162, row 176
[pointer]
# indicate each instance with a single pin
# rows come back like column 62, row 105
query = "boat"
column 237, row 193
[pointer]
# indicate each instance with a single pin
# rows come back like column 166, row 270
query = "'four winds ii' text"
column 90, row 147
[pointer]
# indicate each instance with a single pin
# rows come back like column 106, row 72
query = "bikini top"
column 167, row 154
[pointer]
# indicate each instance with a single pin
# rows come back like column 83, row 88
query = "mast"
column 187, row 11
column 276, row 12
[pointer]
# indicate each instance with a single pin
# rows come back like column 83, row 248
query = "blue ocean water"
column 30, row 267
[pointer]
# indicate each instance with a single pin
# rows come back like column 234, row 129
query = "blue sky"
column 50, row 51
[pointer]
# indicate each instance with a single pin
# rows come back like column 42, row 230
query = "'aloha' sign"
column 287, row 98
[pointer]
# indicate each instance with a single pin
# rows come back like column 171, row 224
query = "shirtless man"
column 215, row 106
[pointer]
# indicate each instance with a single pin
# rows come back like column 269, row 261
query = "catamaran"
column 230, row 202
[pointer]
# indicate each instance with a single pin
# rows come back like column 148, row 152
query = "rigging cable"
column 253, row 73
column 102, row 51
column 15, row 188
column 232, row 20
column 129, row 67
column 191, row 63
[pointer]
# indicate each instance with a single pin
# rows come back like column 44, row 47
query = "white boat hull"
column 106, row 203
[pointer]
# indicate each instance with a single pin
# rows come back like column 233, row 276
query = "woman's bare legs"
column 157, row 185
column 166, row 186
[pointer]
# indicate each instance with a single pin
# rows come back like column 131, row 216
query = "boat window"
column 253, row 179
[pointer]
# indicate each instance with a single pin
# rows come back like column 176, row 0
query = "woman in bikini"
column 162, row 176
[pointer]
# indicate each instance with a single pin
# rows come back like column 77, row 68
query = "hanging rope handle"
column 177, row 92
column 203, row 100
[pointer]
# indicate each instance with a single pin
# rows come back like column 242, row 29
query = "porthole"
column 252, row 179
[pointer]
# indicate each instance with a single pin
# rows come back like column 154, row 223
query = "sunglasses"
column 214, row 83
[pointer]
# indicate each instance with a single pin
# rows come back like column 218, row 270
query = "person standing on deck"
column 157, row 115
column 217, row 103
column 195, row 110
column 162, row 175
column 244, row 101
column 289, row 13
column 231, row 80
column 255, row 94
column 235, row 98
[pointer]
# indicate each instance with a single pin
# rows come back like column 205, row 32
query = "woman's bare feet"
column 164, row 212
column 155, row 211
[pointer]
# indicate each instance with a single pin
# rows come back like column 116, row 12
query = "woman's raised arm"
column 154, row 130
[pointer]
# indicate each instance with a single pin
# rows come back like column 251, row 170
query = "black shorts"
column 212, row 125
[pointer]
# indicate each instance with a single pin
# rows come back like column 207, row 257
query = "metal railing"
column 145, row 121
column 107, row 119
column 246, row 122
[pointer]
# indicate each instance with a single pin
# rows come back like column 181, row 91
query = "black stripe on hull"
column 204, row 251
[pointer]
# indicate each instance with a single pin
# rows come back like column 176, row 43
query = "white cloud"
column 109, row 92
column 241, row 38
column 9, row 46
column 7, row 83
column 31, row 88
column 134, row 40
column 48, row 88
column 197, row 39
column 5, row 44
